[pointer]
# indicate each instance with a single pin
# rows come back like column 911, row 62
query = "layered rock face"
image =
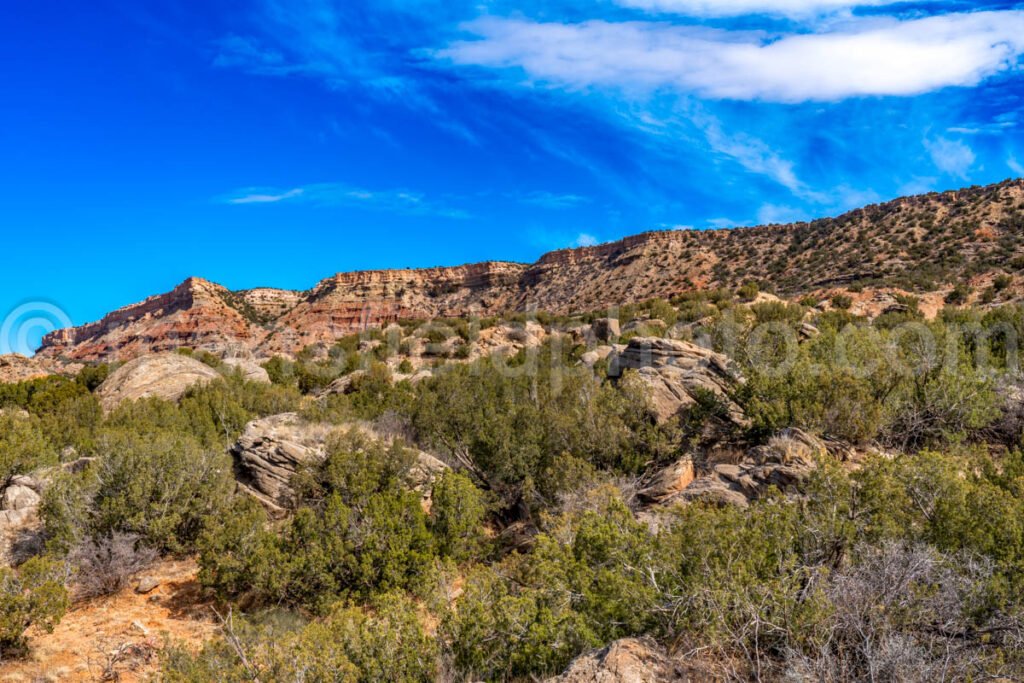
column 195, row 314
column 352, row 302
column 272, row 449
column 868, row 243
column 167, row 376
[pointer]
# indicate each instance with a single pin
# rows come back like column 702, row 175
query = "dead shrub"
column 104, row 566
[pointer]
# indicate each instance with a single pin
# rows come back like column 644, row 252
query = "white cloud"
column 862, row 57
column 754, row 155
column 775, row 213
column 254, row 196
column 951, row 156
column 551, row 200
column 1015, row 165
column 918, row 185
column 585, row 240
column 340, row 194
column 734, row 8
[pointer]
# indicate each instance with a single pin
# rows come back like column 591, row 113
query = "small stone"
column 138, row 628
column 147, row 584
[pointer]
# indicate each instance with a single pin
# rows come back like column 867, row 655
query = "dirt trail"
column 81, row 646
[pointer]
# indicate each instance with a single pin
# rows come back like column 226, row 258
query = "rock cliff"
column 926, row 244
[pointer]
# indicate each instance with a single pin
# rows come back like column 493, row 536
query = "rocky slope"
column 196, row 313
column 924, row 244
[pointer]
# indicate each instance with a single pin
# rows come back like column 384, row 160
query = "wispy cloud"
column 735, row 8
column 586, row 240
column 339, row 194
column 951, row 156
column 861, row 57
column 551, row 200
column 257, row 196
column 1015, row 165
column 775, row 213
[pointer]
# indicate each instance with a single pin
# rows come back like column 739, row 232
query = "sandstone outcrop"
column 19, row 517
column 785, row 463
column 167, row 376
column 631, row 660
column 674, row 372
column 353, row 302
column 250, row 370
column 272, row 449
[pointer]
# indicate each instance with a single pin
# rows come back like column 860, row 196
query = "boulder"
column 669, row 481
column 272, row 449
column 714, row 490
column 674, row 372
column 591, row 358
column 785, row 463
column 808, row 331
column 631, row 660
column 17, row 497
column 343, row 385
column 147, row 584
column 167, row 376
column 250, row 370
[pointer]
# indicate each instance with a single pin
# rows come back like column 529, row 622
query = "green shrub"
column 841, row 302
column 457, row 514
column 384, row 642
column 23, row 447
column 358, row 532
column 162, row 486
column 32, row 596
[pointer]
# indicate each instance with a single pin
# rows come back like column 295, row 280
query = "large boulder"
column 19, row 497
column 272, row 449
column 250, row 370
column 19, row 519
column 784, row 463
column 592, row 358
column 675, row 372
column 631, row 660
column 165, row 375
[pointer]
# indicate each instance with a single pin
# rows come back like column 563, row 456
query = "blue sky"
column 266, row 142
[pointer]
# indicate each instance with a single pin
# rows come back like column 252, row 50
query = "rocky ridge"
column 926, row 244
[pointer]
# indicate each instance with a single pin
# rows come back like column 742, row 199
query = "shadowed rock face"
column 166, row 375
column 864, row 243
